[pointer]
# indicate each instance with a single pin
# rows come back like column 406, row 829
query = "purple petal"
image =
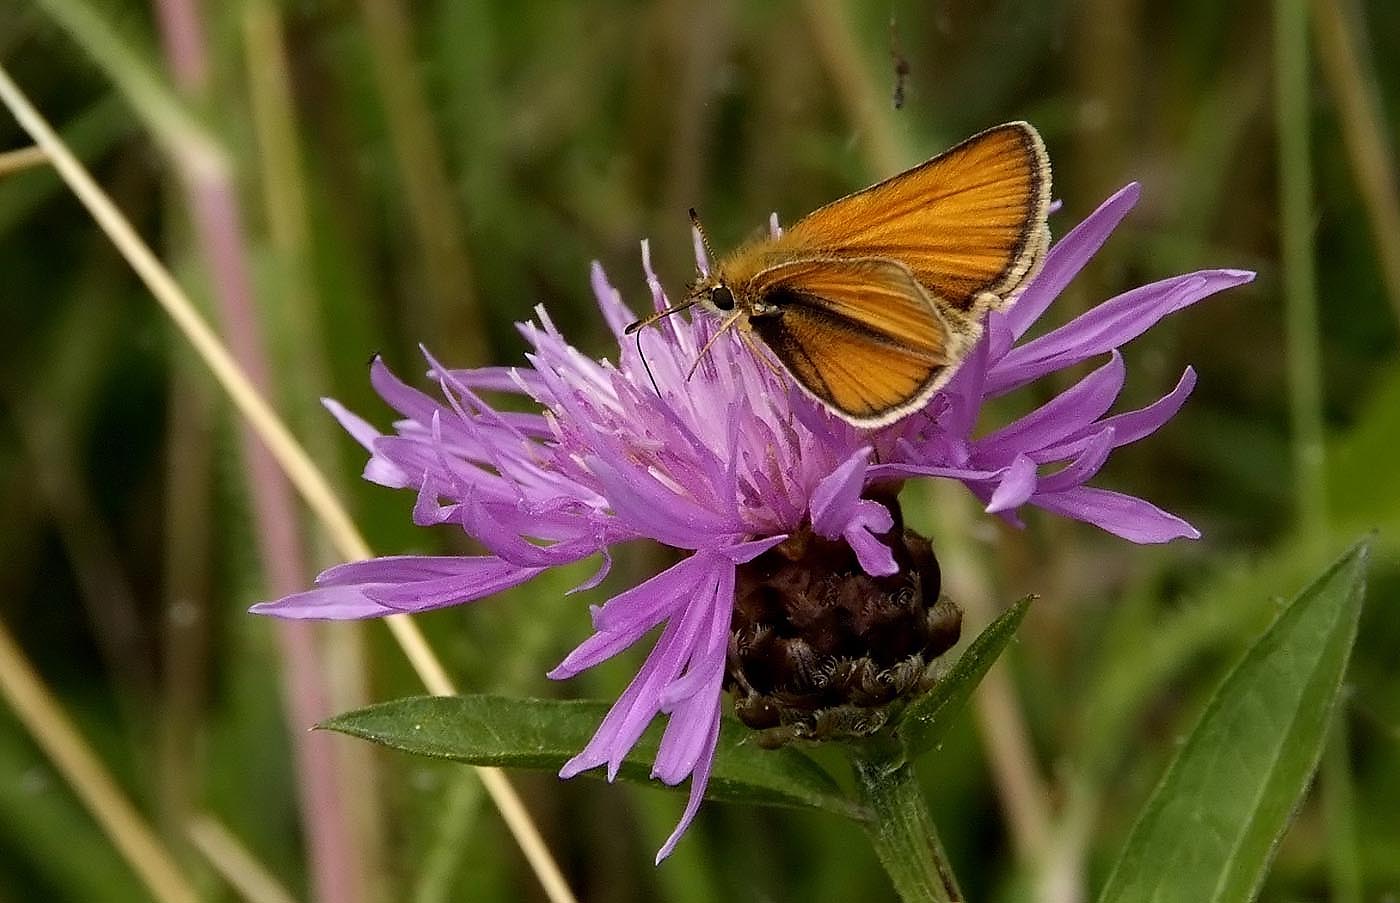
column 400, row 396
column 1067, row 412
column 444, row 591
column 1082, row 468
column 1015, row 487
column 1122, row 515
column 1068, row 257
column 358, row 428
column 488, row 526
column 331, row 603
column 1109, row 325
column 690, row 635
column 403, row 569
column 838, row 511
column 657, row 510
column 834, row 498
column 683, row 635
column 903, row 471
column 744, row 552
column 874, row 557
column 1134, row 425
column 699, row 780
column 1131, row 426
column 626, row 617
column 515, row 380
column 705, row 669
column 410, row 583
column 617, row 315
column 963, row 393
column 598, row 577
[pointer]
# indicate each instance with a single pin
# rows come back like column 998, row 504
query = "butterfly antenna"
column 723, row 328
column 646, row 321
column 641, row 354
column 704, row 236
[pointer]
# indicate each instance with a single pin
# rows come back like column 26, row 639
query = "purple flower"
column 726, row 465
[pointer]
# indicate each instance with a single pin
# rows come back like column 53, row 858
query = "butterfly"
column 871, row 302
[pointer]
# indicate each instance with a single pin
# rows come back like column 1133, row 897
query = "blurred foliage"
column 449, row 186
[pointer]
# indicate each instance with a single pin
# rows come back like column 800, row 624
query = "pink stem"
column 214, row 210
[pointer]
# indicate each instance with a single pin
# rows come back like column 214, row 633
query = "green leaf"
column 545, row 733
column 1210, row 828
column 926, row 721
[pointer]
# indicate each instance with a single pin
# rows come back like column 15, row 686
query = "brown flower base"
column 819, row 649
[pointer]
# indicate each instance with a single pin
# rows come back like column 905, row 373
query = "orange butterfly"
column 872, row 301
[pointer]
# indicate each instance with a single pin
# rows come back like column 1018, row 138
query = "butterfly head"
column 720, row 298
column 713, row 292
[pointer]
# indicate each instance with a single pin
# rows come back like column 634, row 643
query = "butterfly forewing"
column 861, row 336
column 968, row 223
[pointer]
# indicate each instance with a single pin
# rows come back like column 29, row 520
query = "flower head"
column 726, row 465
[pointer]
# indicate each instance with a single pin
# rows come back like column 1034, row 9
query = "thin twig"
column 428, row 191
column 231, row 859
column 168, row 118
column 1025, row 799
column 45, row 720
column 296, row 321
column 18, row 160
column 309, row 481
column 1363, row 124
column 186, row 622
column 1293, row 106
column 862, row 99
column 333, row 860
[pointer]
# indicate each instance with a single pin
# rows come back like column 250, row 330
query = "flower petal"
column 1109, row 325
column 617, row 315
column 1130, row 426
column 1068, row 257
column 409, row 583
column 699, row 780
column 833, row 501
column 1064, row 414
column 444, row 591
column 358, row 428
column 627, row 617
column 1122, row 515
column 874, row 557
column 1082, row 468
column 901, row 471
column 330, row 603
column 684, row 636
column 1016, row 486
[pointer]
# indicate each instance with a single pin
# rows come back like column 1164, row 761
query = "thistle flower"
column 726, row 466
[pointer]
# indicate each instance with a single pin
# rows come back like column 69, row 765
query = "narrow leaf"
column 926, row 721
column 1210, row 828
column 545, row 733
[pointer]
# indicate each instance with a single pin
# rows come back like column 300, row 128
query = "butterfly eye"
column 722, row 298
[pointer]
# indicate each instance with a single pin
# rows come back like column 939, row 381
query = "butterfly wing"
column 861, row 336
column 970, row 223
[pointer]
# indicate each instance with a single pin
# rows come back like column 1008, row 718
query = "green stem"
column 1293, row 104
column 902, row 831
column 1339, row 815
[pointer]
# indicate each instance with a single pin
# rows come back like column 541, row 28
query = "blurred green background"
column 428, row 170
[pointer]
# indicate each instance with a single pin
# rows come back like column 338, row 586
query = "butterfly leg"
column 723, row 328
column 759, row 353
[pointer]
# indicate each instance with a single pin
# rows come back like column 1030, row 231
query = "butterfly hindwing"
column 861, row 336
